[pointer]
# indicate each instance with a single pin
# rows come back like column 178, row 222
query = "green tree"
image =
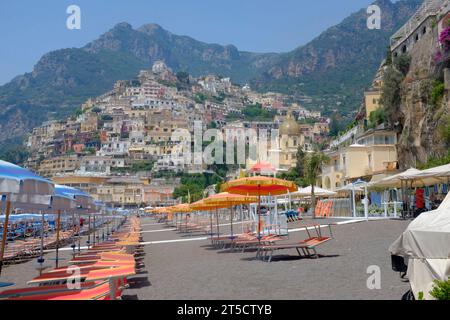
column 313, row 163
column 300, row 164
column 403, row 63
column 391, row 94
column 377, row 117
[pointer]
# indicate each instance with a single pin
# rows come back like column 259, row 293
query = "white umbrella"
column 403, row 180
column 397, row 180
column 320, row 192
column 432, row 176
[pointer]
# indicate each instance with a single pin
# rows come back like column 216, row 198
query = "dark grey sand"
column 195, row 270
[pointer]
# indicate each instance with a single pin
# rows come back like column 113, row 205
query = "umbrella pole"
column 89, row 232
column 242, row 218
column 232, row 212
column 79, row 232
column 217, row 220
column 58, row 227
column 93, row 235
column 41, row 255
column 259, row 214
column 211, row 225
column 5, row 233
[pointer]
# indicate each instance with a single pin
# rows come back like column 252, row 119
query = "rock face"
column 420, row 138
column 341, row 61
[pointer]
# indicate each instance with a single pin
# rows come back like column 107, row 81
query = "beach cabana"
column 19, row 184
column 259, row 186
column 425, row 244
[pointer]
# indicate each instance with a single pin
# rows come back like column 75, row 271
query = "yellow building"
column 116, row 191
column 373, row 157
column 59, row 165
column 88, row 184
column 372, row 101
column 372, row 96
column 291, row 138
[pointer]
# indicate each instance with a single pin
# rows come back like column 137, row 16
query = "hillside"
column 333, row 68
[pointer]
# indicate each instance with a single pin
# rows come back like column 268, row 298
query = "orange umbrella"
column 202, row 206
column 259, row 186
column 181, row 208
column 230, row 200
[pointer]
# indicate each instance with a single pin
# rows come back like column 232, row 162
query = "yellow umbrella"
column 259, row 186
column 181, row 208
column 229, row 200
column 202, row 206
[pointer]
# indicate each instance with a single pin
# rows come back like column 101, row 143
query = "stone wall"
column 420, row 137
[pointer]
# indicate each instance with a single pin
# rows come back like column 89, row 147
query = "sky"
column 29, row 29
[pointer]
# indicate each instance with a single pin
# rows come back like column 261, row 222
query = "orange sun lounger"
column 96, row 292
column 305, row 248
column 87, row 291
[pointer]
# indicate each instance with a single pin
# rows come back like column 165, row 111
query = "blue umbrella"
column 17, row 180
column 19, row 184
column 85, row 204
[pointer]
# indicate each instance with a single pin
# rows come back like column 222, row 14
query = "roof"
column 290, row 127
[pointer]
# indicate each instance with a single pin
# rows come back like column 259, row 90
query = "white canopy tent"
column 432, row 176
column 319, row 192
column 397, row 180
column 426, row 242
column 352, row 188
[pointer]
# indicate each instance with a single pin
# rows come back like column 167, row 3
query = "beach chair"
column 305, row 248
column 254, row 242
column 88, row 291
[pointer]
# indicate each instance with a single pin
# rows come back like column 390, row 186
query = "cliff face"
column 420, row 118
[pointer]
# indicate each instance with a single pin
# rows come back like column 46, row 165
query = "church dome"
column 290, row 127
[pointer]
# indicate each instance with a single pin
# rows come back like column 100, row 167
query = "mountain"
column 335, row 66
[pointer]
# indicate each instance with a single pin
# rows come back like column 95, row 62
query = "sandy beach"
column 180, row 265
column 195, row 270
